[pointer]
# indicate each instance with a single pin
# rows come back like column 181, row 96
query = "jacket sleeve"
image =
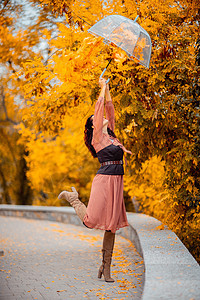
column 98, row 120
column 110, row 115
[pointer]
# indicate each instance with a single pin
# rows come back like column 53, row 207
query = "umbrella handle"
column 105, row 68
column 102, row 76
column 103, row 73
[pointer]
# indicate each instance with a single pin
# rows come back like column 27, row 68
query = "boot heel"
column 100, row 272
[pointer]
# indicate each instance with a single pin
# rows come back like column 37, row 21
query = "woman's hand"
column 129, row 152
column 107, row 92
column 102, row 83
column 107, row 86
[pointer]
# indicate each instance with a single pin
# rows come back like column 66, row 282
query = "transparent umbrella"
column 127, row 35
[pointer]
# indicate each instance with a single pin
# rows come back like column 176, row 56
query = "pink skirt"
column 106, row 208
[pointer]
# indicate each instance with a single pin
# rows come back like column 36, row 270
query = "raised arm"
column 99, row 113
column 109, row 108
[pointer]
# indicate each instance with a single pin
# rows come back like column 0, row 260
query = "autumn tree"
column 157, row 109
column 20, row 39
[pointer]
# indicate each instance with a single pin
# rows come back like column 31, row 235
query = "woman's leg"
column 72, row 198
column 107, row 251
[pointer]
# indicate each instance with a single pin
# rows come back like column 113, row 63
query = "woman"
column 106, row 209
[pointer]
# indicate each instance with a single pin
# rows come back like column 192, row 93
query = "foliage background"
column 49, row 84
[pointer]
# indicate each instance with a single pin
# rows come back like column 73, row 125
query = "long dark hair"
column 88, row 134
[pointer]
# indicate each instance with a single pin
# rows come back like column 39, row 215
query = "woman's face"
column 105, row 121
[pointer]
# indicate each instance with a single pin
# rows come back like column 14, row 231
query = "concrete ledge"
column 171, row 272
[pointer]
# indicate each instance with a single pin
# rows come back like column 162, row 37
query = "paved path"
column 49, row 260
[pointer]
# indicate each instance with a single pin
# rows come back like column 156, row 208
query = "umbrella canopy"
column 127, row 35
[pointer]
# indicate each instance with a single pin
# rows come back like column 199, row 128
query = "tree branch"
column 6, row 2
column 5, row 109
column 6, row 195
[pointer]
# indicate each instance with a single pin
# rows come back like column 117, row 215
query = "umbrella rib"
column 115, row 28
column 126, row 34
column 123, row 21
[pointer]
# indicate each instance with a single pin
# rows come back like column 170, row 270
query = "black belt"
column 115, row 162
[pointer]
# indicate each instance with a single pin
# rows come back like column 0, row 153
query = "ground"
column 50, row 260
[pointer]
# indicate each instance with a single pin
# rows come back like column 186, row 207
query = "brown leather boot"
column 72, row 198
column 107, row 251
